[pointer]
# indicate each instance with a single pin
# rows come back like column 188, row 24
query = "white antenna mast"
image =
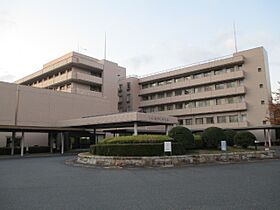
column 234, row 34
column 105, row 47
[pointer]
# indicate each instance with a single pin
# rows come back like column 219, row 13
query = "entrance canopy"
column 119, row 120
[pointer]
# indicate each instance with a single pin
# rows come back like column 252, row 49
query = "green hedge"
column 140, row 139
column 244, row 139
column 212, row 137
column 198, row 143
column 143, row 149
column 182, row 135
column 32, row 150
column 230, row 136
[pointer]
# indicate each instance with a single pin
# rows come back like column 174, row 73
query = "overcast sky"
column 144, row 36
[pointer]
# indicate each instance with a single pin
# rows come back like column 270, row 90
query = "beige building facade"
column 228, row 92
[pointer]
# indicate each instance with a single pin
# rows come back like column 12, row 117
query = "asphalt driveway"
column 47, row 183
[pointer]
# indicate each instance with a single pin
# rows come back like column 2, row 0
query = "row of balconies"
column 195, row 96
column 220, row 125
column 205, row 110
column 75, row 60
column 71, row 76
column 195, row 82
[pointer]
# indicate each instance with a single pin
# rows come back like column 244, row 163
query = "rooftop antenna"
column 105, row 47
column 235, row 40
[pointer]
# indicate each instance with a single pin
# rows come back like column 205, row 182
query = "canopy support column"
column 135, row 129
column 13, row 143
column 166, row 130
column 62, row 143
column 22, row 144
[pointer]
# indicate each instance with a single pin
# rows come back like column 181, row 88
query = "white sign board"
column 223, row 145
column 167, row 146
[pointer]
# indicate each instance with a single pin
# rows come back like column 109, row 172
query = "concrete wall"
column 42, row 107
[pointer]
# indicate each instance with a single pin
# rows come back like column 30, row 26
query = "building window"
column 160, row 95
column 169, row 94
column 95, row 88
column 230, row 100
column 259, row 69
column 230, row 69
column 231, row 84
column 96, row 74
column 144, row 86
column 198, row 121
column 128, row 86
column 233, row 118
column 145, row 98
column 198, row 89
column 153, row 97
column 208, row 88
column 221, row 119
column 196, row 76
column 264, row 122
column 188, row 121
column 169, row 107
column 261, row 85
column 178, row 92
column 209, row 120
column 221, row 71
column 262, row 102
column 219, row 101
column 192, row 104
column 180, row 122
column 179, row 106
column 240, row 82
column 169, row 81
column 219, row 86
column 120, row 88
column 154, row 84
column 161, row 83
column 161, row 108
column 207, row 74
column 179, row 79
column 243, row 117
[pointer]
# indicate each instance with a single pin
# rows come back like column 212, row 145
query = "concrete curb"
column 171, row 161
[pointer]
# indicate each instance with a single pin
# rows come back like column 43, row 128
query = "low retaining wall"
column 159, row 161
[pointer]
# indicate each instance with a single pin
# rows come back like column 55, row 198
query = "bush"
column 140, row 139
column 182, row 135
column 244, row 139
column 212, row 137
column 230, row 136
column 32, row 150
column 198, row 143
column 145, row 149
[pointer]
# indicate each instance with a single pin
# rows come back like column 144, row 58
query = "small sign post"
column 223, row 145
column 167, row 147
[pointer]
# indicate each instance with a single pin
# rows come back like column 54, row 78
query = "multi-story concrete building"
column 229, row 92
column 80, row 74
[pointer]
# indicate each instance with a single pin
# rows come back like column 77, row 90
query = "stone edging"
column 161, row 161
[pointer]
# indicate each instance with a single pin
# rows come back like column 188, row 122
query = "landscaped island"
column 187, row 148
column 182, row 139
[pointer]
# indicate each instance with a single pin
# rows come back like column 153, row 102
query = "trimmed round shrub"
column 198, row 143
column 230, row 136
column 244, row 139
column 182, row 135
column 212, row 137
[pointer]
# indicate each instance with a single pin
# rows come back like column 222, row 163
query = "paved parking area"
column 47, row 183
